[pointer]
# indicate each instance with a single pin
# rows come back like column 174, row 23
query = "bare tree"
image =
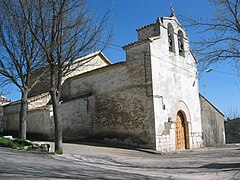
column 219, row 36
column 4, row 89
column 20, row 55
column 232, row 113
column 67, row 32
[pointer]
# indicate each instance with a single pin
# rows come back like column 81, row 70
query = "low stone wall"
column 39, row 122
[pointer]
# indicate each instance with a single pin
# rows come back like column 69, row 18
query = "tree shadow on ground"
column 41, row 166
column 115, row 145
column 222, row 166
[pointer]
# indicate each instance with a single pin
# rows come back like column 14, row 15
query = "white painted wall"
column 87, row 63
column 174, row 88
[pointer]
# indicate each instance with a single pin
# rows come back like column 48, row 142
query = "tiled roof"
column 149, row 39
column 37, row 97
column 135, row 43
column 4, row 100
column 145, row 26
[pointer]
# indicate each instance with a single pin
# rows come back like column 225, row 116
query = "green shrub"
column 4, row 142
column 22, row 142
column 14, row 144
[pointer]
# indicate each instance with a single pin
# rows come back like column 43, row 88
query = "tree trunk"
column 57, row 123
column 23, row 116
column 56, row 113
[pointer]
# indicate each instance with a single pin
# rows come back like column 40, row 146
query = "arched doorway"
column 182, row 137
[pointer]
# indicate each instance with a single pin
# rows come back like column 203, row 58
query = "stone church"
column 150, row 101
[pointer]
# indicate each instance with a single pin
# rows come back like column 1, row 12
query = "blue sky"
column 222, row 89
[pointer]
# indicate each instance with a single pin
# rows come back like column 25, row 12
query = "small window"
column 180, row 43
column 171, row 38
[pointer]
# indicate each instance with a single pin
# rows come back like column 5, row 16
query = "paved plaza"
column 84, row 161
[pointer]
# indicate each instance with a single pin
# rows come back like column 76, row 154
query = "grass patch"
column 58, row 152
column 14, row 144
column 22, row 142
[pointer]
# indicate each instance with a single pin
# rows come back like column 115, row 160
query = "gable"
column 204, row 100
column 81, row 65
column 87, row 63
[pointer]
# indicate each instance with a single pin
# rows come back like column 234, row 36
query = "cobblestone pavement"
column 97, row 162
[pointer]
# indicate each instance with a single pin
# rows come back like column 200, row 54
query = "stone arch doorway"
column 182, row 137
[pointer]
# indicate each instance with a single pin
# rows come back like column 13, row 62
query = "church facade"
column 150, row 101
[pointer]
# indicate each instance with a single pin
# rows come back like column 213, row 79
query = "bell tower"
column 161, row 60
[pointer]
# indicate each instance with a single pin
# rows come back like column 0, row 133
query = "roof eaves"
column 145, row 27
column 39, row 96
column 211, row 104
column 136, row 43
column 175, row 19
column 98, row 70
column 194, row 57
column 92, row 55
column 150, row 39
column 11, row 103
column 105, row 58
column 86, row 57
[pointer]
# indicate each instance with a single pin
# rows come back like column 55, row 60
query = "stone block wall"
column 39, row 122
column 121, row 111
column 149, row 31
column 11, row 118
column 212, row 124
column 77, row 117
column 197, row 141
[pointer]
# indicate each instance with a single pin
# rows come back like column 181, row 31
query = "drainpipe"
column 146, row 85
column 145, row 72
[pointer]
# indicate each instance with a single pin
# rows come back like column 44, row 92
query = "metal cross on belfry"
column 171, row 8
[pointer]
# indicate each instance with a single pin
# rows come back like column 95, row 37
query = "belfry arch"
column 181, row 47
column 171, row 43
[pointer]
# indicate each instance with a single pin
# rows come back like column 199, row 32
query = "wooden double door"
column 181, row 132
